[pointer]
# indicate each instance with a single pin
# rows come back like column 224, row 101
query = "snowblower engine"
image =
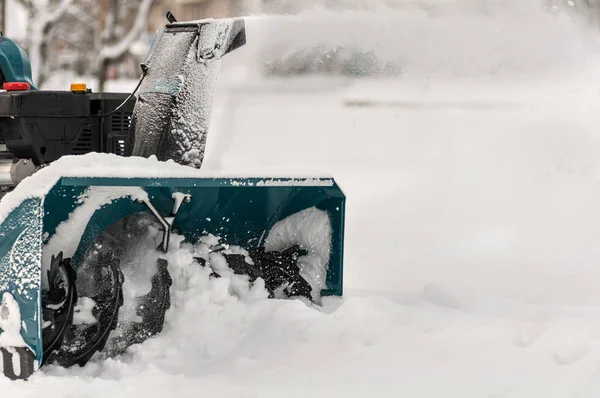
column 288, row 232
column 38, row 127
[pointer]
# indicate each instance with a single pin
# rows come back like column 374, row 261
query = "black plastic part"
column 172, row 87
column 63, row 104
column 82, row 342
column 202, row 263
column 114, row 128
column 280, row 269
column 26, row 360
column 170, row 17
column 239, row 266
column 101, row 278
column 238, row 41
column 151, row 308
column 58, row 303
column 155, row 130
column 46, row 125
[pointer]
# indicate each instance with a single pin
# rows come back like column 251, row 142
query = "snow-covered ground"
column 472, row 260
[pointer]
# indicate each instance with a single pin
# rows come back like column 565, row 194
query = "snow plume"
column 442, row 40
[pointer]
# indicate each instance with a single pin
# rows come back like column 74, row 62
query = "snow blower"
column 74, row 232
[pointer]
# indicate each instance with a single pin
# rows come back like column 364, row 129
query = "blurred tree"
column 42, row 15
column 86, row 36
column 125, row 22
column 2, row 16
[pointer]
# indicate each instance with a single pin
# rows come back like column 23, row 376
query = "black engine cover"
column 46, row 125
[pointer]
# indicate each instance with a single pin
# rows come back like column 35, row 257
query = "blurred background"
column 104, row 40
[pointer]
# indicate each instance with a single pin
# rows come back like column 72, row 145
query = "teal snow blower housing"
column 14, row 63
column 71, row 236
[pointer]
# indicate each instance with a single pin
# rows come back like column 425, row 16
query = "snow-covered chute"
column 67, row 252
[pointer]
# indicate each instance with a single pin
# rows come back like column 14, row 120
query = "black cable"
column 126, row 100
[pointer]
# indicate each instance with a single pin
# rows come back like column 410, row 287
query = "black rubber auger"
column 127, row 248
column 151, row 308
column 58, row 302
column 100, row 278
column 279, row 270
column 82, row 342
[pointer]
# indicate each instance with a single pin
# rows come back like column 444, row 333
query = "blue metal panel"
column 20, row 267
column 240, row 210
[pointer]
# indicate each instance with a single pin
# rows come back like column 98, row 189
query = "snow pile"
column 204, row 284
column 210, row 249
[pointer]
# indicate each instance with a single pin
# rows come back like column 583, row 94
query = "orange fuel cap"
column 78, row 87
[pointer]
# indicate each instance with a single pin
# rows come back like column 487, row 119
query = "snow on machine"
column 76, row 230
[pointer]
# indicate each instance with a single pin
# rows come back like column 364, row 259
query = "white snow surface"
column 471, row 262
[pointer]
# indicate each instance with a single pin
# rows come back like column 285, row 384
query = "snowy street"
column 472, row 246
column 500, row 199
